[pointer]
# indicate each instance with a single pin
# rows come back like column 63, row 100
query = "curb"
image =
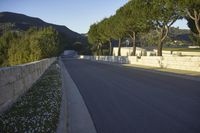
column 62, row 124
column 74, row 117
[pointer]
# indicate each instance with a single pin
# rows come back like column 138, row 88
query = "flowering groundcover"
column 38, row 110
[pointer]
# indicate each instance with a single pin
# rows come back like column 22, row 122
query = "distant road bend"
column 125, row 100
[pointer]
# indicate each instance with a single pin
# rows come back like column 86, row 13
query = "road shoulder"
column 79, row 119
column 191, row 75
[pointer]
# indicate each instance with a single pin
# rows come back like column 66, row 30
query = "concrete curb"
column 77, row 119
column 62, row 125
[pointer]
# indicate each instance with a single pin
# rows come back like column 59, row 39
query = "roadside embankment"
column 37, row 111
column 16, row 80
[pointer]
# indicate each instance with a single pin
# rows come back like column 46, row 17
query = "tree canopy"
column 131, row 23
column 142, row 16
column 191, row 11
column 163, row 14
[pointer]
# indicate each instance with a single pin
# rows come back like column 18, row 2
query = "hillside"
column 180, row 34
column 23, row 22
column 20, row 22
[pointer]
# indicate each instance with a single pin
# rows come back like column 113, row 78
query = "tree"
column 162, row 13
column 118, row 32
column 192, row 26
column 191, row 9
column 32, row 45
column 105, row 30
column 195, row 36
column 94, row 37
column 6, row 40
column 78, row 46
column 134, row 19
column 48, row 42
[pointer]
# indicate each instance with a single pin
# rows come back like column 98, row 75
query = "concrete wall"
column 16, row 80
column 179, row 53
column 181, row 63
column 153, row 61
column 126, row 51
column 193, row 46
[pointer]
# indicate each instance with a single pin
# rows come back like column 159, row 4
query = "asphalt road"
column 125, row 100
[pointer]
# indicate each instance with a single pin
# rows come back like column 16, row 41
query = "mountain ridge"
column 24, row 22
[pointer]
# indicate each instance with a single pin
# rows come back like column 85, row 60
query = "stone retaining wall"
column 181, row 63
column 16, row 80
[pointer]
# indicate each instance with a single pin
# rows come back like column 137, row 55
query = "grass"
column 183, row 49
column 168, row 70
column 38, row 110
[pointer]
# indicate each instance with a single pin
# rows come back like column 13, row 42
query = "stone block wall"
column 182, row 63
column 126, row 51
column 16, row 80
column 154, row 61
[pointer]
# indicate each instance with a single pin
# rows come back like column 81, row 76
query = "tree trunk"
column 197, row 26
column 97, row 50
column 163, row 35
column 101, row 49
column 119, row 47
column 196, row 18
column 134, row 44
column 160, row 45
column 110, row 48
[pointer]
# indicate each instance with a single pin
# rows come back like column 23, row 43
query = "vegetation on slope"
column 24, row 39
column 34, row 44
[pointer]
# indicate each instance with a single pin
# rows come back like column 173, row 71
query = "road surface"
column 125, row 100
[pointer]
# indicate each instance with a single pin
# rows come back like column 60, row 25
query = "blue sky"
column 77, row 15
